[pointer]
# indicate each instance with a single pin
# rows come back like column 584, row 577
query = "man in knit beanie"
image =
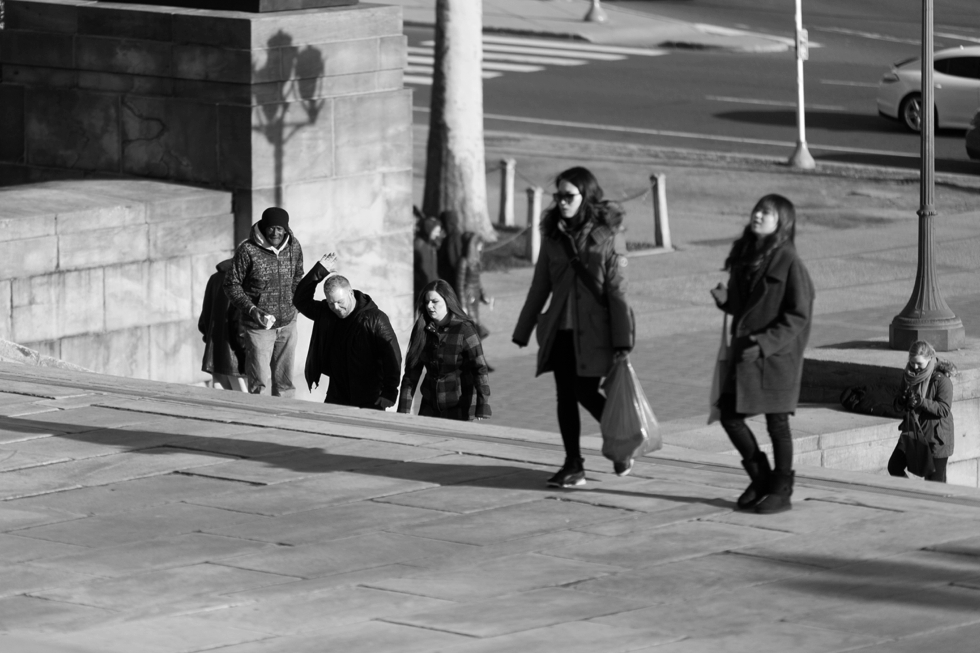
column 267, row 267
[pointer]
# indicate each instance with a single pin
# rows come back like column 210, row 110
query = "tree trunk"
column 455, row 170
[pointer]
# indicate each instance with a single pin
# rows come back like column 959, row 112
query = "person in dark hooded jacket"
column 451, row 246
column 352, row 342
column 265, row 272
column 224, row 340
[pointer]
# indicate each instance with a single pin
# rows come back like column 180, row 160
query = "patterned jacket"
column 261, row 277
column 456, row 384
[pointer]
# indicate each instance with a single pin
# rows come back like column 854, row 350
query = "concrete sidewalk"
column 564, row 19
column 139, row 516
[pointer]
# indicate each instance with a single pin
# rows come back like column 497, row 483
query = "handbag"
column 721, row 372
column 629, row 427
column 918, row 453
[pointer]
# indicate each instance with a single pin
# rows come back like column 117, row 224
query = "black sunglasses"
column 565, row 197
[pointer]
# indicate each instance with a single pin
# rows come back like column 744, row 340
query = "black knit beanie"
column 275, row 217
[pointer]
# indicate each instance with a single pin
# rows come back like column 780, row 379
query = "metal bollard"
column 507, row 167
column 661, row 226
column 534, row 196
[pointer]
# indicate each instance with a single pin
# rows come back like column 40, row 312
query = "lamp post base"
column 943, row 334
column 801, row 158
column 596, row 13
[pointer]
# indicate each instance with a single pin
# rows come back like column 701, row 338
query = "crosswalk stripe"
column 428, row 70
column 574, row 45
column 487, row 65
column 553, row 52
column 516, row 58
column 527, row 58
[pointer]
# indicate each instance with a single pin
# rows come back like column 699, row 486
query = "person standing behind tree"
column 445, row 344
column 581, row 268
column 770, row 298
column 224, row 340
column 266, row 270
column 428, row 236
column 352, row 342
column 451, row 247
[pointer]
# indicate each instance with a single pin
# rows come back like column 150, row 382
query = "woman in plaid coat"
column 446, row 345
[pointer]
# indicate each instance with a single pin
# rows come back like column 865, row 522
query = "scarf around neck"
column 919, row 381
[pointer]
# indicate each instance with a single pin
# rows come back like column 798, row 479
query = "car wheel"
column 911, row 112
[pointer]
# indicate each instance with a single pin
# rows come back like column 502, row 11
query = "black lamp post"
column 926, row 316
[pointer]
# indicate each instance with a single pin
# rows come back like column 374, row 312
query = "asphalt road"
column 741, row 102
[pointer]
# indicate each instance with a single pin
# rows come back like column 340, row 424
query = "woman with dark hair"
column 770, row 299
column 588, row 323
column 926, row 399
column 445, row 344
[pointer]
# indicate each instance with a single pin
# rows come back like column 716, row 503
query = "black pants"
column 573, row 390
column 744, row 440
column 898, row 462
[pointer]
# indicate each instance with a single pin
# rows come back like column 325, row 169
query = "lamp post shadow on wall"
column 301, row 70
column 927, row 316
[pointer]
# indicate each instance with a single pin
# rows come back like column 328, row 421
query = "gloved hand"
column 264, row 319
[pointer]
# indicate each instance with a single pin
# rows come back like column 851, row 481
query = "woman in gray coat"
column 581, row 269
column 770, row 299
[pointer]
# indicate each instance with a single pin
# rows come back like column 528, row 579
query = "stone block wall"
column 300, row 109
column 110, row 275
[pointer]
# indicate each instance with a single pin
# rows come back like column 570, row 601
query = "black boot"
column 759, row 471
column 571, row 473
column 777, row 498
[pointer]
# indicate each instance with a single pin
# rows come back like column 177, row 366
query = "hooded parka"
column 776, row 308
column 262, row 277
column 599, row 328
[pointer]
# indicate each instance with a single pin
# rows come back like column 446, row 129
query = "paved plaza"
column 151, row 517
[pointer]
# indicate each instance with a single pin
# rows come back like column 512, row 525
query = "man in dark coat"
column 265, row 272
column 224, row 341
column 352, row 343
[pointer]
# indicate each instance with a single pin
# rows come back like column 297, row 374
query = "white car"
column 957, row 82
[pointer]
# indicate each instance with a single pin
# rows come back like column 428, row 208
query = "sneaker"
column 571, row 474
column 622, row 469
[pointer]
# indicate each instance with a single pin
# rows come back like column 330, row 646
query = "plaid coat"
column 456, row 385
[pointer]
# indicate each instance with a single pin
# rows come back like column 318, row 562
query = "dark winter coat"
column 777, row 309
column 451, row 248
column 599, row 328
column 934, row 415
column 359, row 353
column 426, row 266
column 456, row 384
column 220, row 322
column 260, row 277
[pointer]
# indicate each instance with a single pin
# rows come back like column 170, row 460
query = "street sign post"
column 801, row 155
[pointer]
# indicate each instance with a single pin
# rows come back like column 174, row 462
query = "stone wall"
column 300, row 109
column 110, row 275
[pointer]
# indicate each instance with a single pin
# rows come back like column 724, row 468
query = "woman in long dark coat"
column 221, row 325
column 770, row 298
column 588, row 320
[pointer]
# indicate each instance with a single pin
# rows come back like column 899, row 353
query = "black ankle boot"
column 777, row 498
column 759, row 471
column 572, row 473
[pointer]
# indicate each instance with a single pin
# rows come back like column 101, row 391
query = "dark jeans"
column 572, row 391
column 744, row 440
column 898, row 462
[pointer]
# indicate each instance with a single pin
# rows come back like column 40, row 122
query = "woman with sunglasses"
column 581, row 269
